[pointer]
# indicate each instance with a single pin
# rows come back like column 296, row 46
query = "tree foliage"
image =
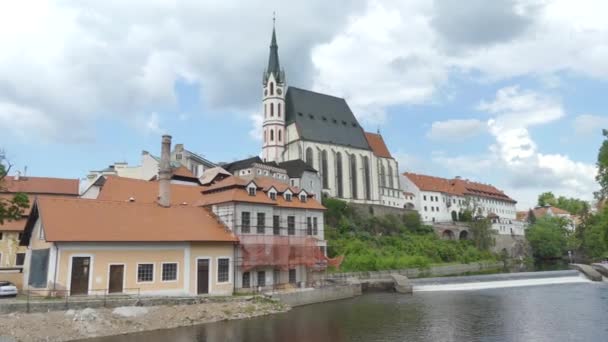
column 574, row 206
column 482, row 234
column 548, row 238
column 602, row 169
column 11, row 206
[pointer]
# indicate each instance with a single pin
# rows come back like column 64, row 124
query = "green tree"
column 454, row 216
column 11, row 207
column 546, row 198
column 531, row 217
column 482, row 234
column 549, row 238
column 593, row 235
column 602, row 169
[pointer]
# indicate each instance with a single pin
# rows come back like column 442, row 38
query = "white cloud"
column 476, row 165
column 256, row 119
column 587, row 125
column 456, row 130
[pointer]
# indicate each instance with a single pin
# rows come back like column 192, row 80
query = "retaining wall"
column 434, row 271
column 318, row 295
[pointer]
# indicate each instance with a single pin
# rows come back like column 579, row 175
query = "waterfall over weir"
column 495, row 281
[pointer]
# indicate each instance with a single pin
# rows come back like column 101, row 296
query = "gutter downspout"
column 56, row 265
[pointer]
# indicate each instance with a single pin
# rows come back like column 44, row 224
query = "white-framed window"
column 251, row 190
column 169, row 271
column 288, row 197
column 302, row 197
column 223, row 270
column 145, row 273
column 273, row 195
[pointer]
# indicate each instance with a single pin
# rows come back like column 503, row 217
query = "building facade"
column 322, row 131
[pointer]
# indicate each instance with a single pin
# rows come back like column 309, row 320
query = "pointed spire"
column 273, row 60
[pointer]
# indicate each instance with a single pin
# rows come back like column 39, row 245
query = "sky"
column 506, row 92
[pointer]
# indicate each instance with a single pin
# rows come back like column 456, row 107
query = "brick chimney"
column 164, row 173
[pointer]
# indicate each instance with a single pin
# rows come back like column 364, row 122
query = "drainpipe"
column 56, row 265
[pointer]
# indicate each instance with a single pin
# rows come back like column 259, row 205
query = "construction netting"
column 283, row 252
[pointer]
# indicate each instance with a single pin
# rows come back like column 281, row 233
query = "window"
column 273, row 195
column 145, row 273
column 271, row 134
column 303, row 198
column 315, row 227
column 324, row 170
column 291, row 225
column 261, row 278
column 390, row 176
column 309, row 157
column 251, row 190
column 339, row 174
column 353, row 175
column 432, row 208
column 382, row 175
column 309, row 226
column 279, row 135
column 246, row 280
column 178, row 156
column 271, row 88
column 223, row 270
column 245, row 221
column 424, row 197
column 265, row 110
column 425, row 208
column 20, row 259
column 169, row 272
column 1, row 235
column 366, row 177
column 292, row 275
column 288, row 197
column 279, row 115
column 261, row 223
column 276, row 225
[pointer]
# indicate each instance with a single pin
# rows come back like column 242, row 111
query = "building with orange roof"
column 321, row 130
column 129, row 236
column 441, row 200
column 11, row 254
column 551, row 211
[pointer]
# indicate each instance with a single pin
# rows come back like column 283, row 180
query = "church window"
column 272, row 109
column 353, row 176
column 339, row 182
column 324, row 170
column 390, row 176
column 271, row 88
column 300, row 152
column 279, row 110
column 382, row 175
column 368, row 195
column 279, row 132
column 271, row 135
column 309, row 157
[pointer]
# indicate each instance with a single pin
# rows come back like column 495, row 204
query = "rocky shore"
column 79, row 324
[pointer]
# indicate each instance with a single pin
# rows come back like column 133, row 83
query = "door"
column 80, row 275
column 203, row 276
column 117, row 273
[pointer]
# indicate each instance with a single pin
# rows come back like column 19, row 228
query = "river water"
column 563, row 309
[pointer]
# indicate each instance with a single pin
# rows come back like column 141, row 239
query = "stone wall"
column 318, row 295
column 378, row 210
column 515, row 245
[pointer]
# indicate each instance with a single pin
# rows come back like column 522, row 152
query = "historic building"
column 322, row 130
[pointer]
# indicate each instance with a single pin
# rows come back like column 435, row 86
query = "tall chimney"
column 164, row 173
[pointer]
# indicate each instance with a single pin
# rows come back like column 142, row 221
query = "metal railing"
column 66, row 297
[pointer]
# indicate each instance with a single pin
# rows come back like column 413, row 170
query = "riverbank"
column 87, row 323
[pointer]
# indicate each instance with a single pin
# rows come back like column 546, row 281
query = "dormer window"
column 251, row 191
column 273, row 195
column 288, row 197
column 302, row 197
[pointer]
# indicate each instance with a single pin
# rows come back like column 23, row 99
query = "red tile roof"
column 40, row 185
column 456, row 186
column 86, row 220
column 122, row 189
column 376, row 142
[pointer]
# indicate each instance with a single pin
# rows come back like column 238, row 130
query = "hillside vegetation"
column 371, row 243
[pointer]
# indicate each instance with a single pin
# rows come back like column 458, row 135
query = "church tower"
column 273, row 100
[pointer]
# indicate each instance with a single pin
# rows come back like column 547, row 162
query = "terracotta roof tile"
column 86, row 220
column 41, row 185
column 182, row 171
column 376, row 142
column 121, row 189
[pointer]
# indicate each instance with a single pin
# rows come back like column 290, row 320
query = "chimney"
column 164, row 173
column 17, row 175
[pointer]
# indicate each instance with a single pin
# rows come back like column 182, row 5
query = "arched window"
column 279, row 132
column 271, row 135
column 309, row 157
column 382, row 175
column 339, row 174
column 279, row 111
column 300, row 152
column 366, row 171
column 271, row 88
column 324, row 170
column 353, row 176
column 264, row 135
column 390, row 176
column 272, row 109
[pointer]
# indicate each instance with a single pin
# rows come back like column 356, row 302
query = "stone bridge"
column 452, row 230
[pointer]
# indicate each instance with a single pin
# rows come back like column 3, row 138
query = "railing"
column 65, row 296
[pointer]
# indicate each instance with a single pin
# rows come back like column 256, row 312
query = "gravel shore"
column 78, row 324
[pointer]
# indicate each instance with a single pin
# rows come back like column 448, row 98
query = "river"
column 560, row 311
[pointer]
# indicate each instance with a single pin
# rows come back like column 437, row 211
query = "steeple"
column 273, row 59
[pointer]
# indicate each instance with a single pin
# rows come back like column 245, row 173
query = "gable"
column 323, row 118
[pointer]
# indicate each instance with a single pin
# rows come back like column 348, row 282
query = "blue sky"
column 510, row 93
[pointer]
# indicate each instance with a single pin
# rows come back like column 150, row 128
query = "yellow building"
column 89, row 246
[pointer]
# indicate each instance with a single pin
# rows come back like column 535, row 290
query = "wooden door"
column 79, row 283
column 117, row 273
column 203, row 276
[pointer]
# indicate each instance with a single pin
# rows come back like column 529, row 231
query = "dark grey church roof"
column 323, row 118
column 295, row 168
column 274, row 67
column 246, row 163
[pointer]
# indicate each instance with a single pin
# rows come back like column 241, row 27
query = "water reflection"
column 572, row 312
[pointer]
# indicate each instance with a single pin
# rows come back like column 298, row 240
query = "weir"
column 498, row 281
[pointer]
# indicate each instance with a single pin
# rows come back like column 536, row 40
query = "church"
column 321, row 130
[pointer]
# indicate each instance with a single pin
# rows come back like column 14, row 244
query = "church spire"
column 273, row 60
